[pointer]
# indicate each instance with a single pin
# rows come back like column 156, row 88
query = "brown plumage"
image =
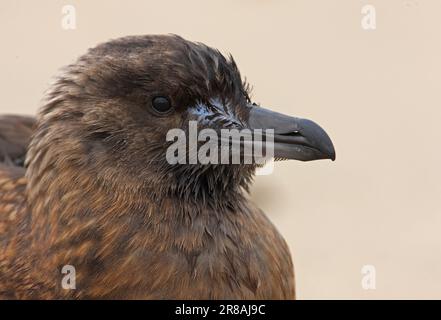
column 96, row 192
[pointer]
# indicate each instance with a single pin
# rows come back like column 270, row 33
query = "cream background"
column 377, row 93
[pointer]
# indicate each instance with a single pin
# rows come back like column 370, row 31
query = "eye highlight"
column 161, row 104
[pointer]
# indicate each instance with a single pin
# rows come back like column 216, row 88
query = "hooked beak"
column 294, row 138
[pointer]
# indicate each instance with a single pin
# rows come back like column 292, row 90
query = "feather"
column 97, row 194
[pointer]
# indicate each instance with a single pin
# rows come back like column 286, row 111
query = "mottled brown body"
column 97, row 193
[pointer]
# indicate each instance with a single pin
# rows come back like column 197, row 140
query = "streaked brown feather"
column 130, row 228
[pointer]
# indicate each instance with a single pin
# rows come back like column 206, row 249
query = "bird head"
column 109, row 114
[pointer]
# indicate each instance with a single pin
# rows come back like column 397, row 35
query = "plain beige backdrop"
column 377, row 93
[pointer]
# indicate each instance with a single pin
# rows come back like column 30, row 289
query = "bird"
column 86, row 183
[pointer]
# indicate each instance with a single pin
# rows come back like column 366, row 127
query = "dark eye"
column 161, row 104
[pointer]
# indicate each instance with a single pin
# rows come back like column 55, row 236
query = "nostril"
column 291, row 134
